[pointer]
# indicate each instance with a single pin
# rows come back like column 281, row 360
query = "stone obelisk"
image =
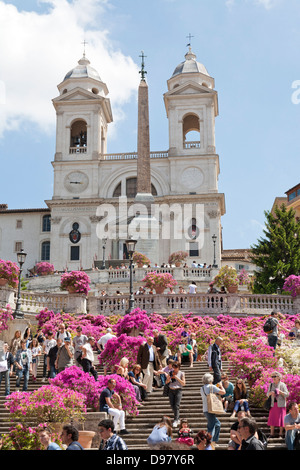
column 145, row 225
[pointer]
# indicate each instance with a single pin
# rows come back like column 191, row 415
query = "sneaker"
column 124, row 431
column 175, row 424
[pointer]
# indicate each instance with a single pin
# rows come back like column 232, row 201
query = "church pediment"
column 77, row 94
column 190, row 88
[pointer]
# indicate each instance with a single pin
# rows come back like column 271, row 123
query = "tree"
column 278, row 254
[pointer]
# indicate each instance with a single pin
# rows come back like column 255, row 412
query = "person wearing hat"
column 88, row 357
column 65, row 355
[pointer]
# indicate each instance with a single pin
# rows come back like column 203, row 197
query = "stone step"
column 156, row 406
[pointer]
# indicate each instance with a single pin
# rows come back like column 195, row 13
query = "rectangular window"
column 75, row 253
column 193, row 249
column 18, row 246
column 19, row 223
column 46, row 225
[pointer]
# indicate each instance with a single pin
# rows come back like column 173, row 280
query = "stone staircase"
column 156, row 406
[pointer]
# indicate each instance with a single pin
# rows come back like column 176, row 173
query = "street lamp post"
column 103, row 253
column 21, row 256
column 130, row 245
column 214, row 238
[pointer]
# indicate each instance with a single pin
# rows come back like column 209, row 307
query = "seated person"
column 240, row 398
column 185, row 351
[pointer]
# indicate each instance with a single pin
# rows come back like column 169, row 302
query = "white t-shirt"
column 103, row 340
column 192, row 288
column 89, row 352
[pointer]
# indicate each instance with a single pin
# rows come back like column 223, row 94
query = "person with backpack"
column 271, row 327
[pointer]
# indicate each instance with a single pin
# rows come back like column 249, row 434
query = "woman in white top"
column 192, row 288
column 213, row 424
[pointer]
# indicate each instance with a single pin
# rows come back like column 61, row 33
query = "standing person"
column 114, row 410
column 248, row 429
column 149, row 361
column 45, row 438
column 36, row 351
column 109, row 439
column 62, row 333
column 291, row 424
column 78, row 341
column 48, row 343
column 23, row 365
column 51, row 359
column 193, row 288
column 69, row 437
column 88, row 357
column 279, row 393
column 103, row 340
column 273, row 324
column 215, row 360
column 65, row 355
column 213, row 423
column 161, row 344
column 176, row 381
column 7, row 365
column 15, row 343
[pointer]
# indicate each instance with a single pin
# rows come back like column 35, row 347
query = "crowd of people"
column 155, row 367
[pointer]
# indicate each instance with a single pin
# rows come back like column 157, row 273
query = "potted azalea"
column 9, row 273
column 228, row 278
column 140, row 259
column 177, row 258
column 48, row 404
column 44, row 268
column 292, row 285
column 159, row 281
column 75, row 282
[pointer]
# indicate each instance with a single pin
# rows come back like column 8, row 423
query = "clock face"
column 192, row 178
column 76, row 182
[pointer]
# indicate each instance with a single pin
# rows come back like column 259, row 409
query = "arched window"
column 191, row 131
column 46, row 223
column 131, row 188
column 45, row 251
column 78, row 140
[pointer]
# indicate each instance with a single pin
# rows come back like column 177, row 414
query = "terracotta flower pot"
column 159, row 290
column 298, row 290
column 178, row 264
column 71, row 290
column 85, row 438
column 3, row 282
column 232, row 289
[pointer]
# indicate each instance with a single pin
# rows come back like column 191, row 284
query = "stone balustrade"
column 164, row 304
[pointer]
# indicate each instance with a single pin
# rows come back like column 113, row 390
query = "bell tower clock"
column 83, row 113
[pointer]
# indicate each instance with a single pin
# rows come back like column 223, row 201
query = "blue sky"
column 250, row 47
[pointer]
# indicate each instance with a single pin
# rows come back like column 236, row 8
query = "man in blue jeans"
column 23, row 365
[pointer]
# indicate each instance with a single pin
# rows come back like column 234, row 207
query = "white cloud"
column 37, row 50
column 267, row 4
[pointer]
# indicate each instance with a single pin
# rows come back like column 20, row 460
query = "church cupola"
column 191, row 105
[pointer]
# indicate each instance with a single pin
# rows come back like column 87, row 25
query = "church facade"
column 94, row 192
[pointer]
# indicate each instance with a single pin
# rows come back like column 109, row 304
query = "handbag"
column 214, row 404
column 267, row 404
column 166, row 390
